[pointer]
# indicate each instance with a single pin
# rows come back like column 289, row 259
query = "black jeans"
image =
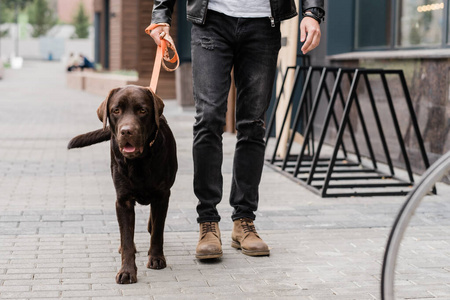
column 251, row 45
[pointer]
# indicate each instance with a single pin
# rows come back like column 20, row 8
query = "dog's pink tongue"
column 129, row 148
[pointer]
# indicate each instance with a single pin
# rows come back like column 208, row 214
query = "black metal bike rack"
column 343, row 173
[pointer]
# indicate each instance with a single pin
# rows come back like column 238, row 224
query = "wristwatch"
column 316, row 13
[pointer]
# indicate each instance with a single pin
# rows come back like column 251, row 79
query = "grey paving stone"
column 90, row 293
column 203, row 296
column 31, row 295
column 12, row 288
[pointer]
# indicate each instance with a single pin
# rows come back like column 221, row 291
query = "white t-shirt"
column 242, row 9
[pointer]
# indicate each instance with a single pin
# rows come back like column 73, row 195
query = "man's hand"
column 310, row 34
column 161, row 32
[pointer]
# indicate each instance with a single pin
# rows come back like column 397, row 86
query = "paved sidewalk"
column 59, row 234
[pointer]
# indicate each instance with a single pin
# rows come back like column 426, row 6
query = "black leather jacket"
column 196, row 10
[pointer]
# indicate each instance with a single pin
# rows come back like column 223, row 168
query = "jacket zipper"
column 272, row 21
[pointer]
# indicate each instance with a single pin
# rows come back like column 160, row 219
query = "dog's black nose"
column 126, row 130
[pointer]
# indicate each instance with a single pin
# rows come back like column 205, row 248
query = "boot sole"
column 237, row 245
column 209, row 256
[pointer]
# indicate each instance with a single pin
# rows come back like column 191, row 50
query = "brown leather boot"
column 245, row 237
column 209, row 244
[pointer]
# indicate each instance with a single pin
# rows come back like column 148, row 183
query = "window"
column 373, row 26
column 384, row 24
column 420, row 23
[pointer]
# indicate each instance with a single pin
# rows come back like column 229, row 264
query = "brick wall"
column 147, row 52
column 68, row 8
column 115, row 35
column 130, row 48
column 130, row 29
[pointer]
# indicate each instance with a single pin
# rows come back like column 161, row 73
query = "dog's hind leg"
column 158, row 213
column 126, row 218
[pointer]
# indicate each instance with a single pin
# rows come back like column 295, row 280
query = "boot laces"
column 248, row 226
column 208, row 227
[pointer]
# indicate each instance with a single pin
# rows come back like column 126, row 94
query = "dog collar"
column 156, row 135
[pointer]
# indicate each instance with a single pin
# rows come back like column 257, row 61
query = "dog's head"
column 134, row 114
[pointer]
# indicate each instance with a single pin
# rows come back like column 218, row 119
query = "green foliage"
column 81, row 23
column 6, row 13
column 9, row 11
column 6, row 16
column 21, row 4
column 41, row 17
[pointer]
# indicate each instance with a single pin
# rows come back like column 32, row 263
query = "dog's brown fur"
column 143, row 167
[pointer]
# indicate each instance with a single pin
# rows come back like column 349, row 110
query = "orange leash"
column 162, row 56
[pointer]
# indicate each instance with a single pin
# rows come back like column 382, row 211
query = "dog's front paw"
column 156, row 262
column 126, row 275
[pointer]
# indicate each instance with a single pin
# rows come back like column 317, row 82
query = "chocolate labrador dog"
column 143, row 167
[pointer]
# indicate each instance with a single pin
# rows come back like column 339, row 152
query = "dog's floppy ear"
column 158, row 106
column 102, row 110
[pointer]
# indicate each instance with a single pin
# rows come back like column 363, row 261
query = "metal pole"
column 350, row 126
column 439, row 169
column 365, row 132
column 340, row 134
column 397, row 126
column 328, row 114
column 414, row 119
column 16, row 15
column 309, row 118
column 336, row 123
column 378, row 122
column 291, row 99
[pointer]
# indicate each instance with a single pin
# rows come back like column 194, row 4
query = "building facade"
column 409, row 35
column 122, row 44
column 68, row 8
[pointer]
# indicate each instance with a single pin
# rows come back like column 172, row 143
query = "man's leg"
column 255, row 67
column 254, row 70
column 211, row 62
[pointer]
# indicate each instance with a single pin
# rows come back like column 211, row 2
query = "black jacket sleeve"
column 162, row 11
column 313, row 3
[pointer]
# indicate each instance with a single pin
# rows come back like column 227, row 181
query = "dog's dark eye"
column 115, row 111
column 142, row 111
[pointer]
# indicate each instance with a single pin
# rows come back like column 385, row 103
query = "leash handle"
column 162, row 56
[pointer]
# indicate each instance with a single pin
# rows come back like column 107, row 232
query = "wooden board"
column 287, row 57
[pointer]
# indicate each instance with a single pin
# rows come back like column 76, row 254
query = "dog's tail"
column 90, row 138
